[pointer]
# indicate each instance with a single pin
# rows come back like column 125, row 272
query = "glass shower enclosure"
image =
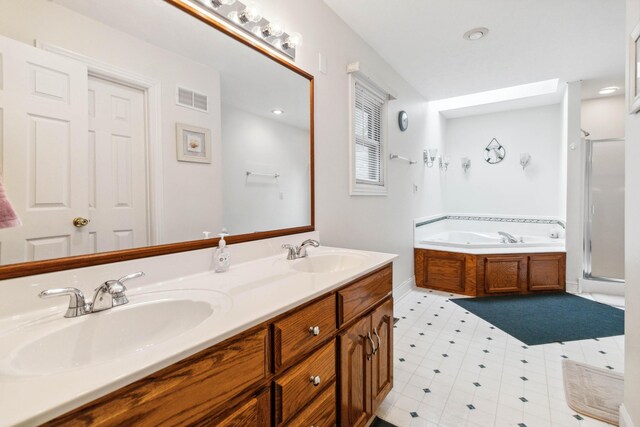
column 604, row 210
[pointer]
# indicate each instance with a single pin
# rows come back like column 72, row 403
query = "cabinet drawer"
column 252, row 413
column 360, row 296
column 294, row 334
column 294, row 390
column 183, row 393
column 320, row 413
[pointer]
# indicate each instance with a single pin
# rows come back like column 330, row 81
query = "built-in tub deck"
column 479, row 264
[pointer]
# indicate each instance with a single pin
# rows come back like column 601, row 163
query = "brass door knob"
column 80, row 222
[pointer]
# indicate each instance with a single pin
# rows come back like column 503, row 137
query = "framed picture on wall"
column 634, row 71
column 193, row 143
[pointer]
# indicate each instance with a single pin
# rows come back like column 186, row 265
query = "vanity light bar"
column 249, row 20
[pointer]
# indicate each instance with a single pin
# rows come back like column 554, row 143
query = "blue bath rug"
column 547, row 318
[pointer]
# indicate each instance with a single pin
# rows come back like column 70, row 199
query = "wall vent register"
column 192, row 99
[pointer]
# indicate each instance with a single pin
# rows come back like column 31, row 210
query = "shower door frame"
column 588, row 212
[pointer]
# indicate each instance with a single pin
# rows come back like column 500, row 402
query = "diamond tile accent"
column 484, row 373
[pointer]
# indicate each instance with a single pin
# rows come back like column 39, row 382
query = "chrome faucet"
column 510, row 237
column 296, row 252
column 111, row 293
column 108, row 295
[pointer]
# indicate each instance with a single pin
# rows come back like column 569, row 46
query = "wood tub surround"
column 326, row 362
column 490, row 274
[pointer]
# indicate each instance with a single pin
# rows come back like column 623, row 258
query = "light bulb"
column 294, row 41
column 273, row 29
column 217, row 3
column 251, row 13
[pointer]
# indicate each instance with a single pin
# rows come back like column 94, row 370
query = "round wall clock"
column 403, row 120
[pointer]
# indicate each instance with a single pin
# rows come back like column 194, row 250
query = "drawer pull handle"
column 375, row 332
column 315, row 380
column 373, row 346
column 314, row 330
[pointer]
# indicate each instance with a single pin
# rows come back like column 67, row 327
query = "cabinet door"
column 382, row 361
column 547, row 272
column 255, row 412
column 502, row 274
column 355, row 374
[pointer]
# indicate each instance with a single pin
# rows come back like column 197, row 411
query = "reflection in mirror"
column 126, row 124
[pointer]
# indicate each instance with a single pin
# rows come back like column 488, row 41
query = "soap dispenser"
column 221, row 258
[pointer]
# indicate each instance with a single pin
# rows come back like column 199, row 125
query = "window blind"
column 368, row 110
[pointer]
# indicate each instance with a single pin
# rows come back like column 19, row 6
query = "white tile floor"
column 454, row 369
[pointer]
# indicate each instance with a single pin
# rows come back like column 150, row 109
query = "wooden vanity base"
column 490, row 274
column 327, row 362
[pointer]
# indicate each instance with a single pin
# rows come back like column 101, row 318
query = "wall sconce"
column 525, row 158
column 248, row 18
column 466, row 163
column 429, row 156
column 444, row 163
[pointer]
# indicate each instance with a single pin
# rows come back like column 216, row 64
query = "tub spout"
column 510, row 237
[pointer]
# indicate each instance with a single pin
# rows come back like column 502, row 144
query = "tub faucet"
column 510, row 237
column 296, row 252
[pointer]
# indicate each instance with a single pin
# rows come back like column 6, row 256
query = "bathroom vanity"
column 302, row 342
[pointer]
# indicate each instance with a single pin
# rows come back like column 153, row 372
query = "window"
column 368, row 139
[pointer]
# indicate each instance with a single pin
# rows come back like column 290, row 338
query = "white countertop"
column 253, row 293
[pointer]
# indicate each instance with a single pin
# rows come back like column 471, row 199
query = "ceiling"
column 528, row 41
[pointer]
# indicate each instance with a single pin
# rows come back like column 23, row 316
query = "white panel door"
column 117, row 166
column 43, row 110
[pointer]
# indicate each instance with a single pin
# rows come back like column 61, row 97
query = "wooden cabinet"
column 447, row 271
column 255, row 412
column 304, row 382
column 188, row 392
column 547, row 272
column 480, row 275
column 502, row 274
column 320, row 413
column 303, row 330
column 356, row 350
column 382, row 362
column 366, row 365
column 281, row 372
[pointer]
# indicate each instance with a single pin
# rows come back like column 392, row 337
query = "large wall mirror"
column 131, row 129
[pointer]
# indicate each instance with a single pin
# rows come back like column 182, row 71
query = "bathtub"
column 488, row 242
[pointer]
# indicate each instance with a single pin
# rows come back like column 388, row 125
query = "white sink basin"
column 147, row 320
column 328, row 262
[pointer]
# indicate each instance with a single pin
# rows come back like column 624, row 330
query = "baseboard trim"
column 625, row 418
column 573, row 288
column 404, row 288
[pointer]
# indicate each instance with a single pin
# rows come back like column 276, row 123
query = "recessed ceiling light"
column 608, row 90
column 476, row 33
column 277, row 111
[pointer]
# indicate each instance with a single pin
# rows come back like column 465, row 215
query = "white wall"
column 632, row 251
column 504, row 188
column 373, row 223
column 604, row 117
column 28, row 20
column 257, row 144
column 573, row 181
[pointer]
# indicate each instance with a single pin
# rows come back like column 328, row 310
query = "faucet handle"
column 77, row 306
column 129, row 277
column 292, row 251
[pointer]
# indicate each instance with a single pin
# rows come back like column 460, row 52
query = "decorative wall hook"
column 466, row 163
column 494, row 152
